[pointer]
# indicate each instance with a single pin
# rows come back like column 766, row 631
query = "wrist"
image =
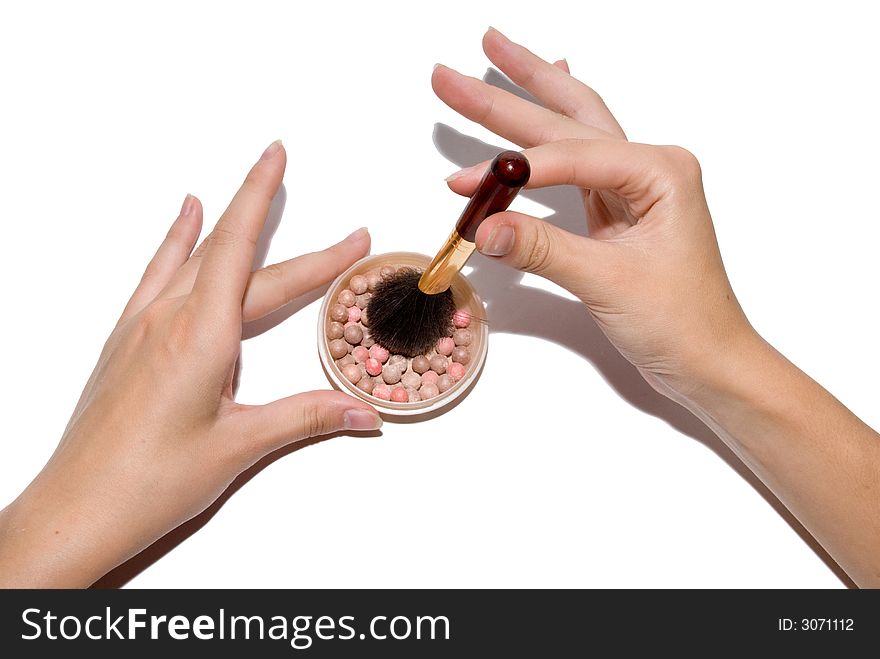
column 747, row 383
column 48, row 541
column 708, row 361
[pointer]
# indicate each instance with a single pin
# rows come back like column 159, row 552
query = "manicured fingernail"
column 189, row 205
column 436, row 66
column 461, row 173
column 356, row 236
column 271, row 150
column 357, row 419
column 500, row 241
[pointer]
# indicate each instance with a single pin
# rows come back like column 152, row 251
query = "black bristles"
column 405, row 320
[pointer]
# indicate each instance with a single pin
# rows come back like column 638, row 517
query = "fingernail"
column 461, row 173
column 500, row 241
column 356, row 236
column 436, row 66
column 189, row 203
column 271, row 150
column 357, row 419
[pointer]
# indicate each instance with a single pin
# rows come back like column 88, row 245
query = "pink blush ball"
column 455, row 370
column 461, row 318
column 360, row 354
column 373, row 366
column 399, row 395
column 354, row 314
column 430, row 377
column 379, row 353
column 445, row 346
column 383, row 391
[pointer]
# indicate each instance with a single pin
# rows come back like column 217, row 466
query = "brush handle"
column 507, row 174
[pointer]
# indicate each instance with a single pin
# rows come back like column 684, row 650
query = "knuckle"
column 205, row 334
column 528, row 76
column 546, row 134
column 155, row 328
column 572, row 146
column 148, row 318
column 200, row 250
column 683, row 164
column 191, row 334
column 224, row 236
column 313, row 423
column 485, row 108
column 274, row 271
column 275, row 274
column 571, row 151
column 175, row 332
column 537, row 251
column 228, row 234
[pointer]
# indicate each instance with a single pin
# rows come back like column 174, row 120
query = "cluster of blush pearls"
column 377, row 372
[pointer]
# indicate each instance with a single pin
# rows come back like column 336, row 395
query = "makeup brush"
column 410, row 310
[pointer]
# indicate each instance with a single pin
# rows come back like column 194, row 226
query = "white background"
column 109, row 115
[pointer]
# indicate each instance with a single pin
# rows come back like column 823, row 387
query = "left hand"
column 157, row 436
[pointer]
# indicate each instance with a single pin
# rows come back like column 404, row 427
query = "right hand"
column 650, row 271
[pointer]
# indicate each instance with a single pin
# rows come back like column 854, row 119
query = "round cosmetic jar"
column 465, row 297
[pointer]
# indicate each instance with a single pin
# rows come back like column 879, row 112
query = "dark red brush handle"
column 507, row 174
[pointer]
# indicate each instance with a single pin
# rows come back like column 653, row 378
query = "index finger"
column 626, row 168
column 226, row 265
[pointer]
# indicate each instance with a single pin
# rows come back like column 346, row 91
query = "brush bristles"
column 404, row 319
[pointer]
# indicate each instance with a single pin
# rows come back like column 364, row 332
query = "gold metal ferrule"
column 450, row 259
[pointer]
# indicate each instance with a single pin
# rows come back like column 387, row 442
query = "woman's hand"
column 156, row 436
column 650, row 271
column 651, row 274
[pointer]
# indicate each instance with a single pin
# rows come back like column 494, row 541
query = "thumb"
column 303, row 416
column 532, row 245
